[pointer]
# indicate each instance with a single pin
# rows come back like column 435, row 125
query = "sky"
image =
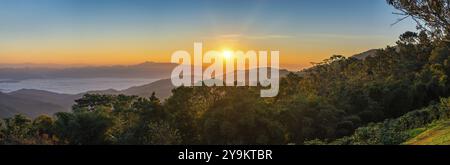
column 109, row 32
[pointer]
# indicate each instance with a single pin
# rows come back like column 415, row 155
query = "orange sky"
column 120, row 32
column 295, row 51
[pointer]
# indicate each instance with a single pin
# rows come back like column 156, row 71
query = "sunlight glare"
column 227, row 54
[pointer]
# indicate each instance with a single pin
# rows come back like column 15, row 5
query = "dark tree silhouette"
column 430, row 15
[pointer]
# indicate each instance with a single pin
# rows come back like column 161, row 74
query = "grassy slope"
column 435, row 134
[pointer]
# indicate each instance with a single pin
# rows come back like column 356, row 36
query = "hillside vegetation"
column 429, row 125
column 438, row 134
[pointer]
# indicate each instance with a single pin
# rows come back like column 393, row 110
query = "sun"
column 227, row 54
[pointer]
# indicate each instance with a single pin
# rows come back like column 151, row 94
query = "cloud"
column 309, row 35
column 230, row 36
column 269, row 37
column 344, row 36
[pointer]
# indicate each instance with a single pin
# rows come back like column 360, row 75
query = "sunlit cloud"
column 225, row 36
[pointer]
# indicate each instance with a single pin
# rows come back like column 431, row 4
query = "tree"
column 160, row 133
column 90, row 101
column 43, row 125
column 241, row 117
column 84, row 127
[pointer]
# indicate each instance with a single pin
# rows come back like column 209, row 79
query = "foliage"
column 437, row 134
column 397, row 131
column 432, row 15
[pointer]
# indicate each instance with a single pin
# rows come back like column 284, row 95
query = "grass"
column 434, row 134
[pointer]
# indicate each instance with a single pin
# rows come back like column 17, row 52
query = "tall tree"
column 430, row 15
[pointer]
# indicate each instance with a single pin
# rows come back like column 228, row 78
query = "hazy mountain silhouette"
column 162, row 88
column 33, row 102
column 364, row 55
column 10, row 105
column 63, row 100
column 151, row 70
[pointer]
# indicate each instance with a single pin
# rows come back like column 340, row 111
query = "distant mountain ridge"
column 11, row 105
column 36, row 102
column 364, row 55
column 32, row 102
column 151, row 70
column 162, row 88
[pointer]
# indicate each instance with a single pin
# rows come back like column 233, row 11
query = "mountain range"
column 151, row 70
column 32, row 102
